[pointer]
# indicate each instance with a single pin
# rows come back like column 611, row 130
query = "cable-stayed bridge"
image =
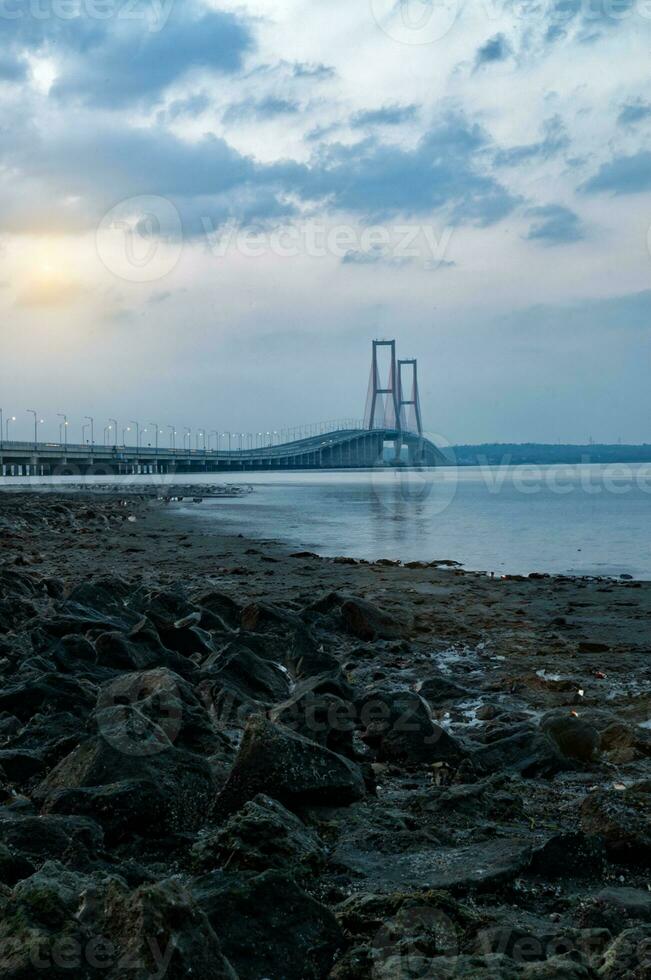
column 390, row 434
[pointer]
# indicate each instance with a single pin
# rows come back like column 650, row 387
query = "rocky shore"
column 219, row 759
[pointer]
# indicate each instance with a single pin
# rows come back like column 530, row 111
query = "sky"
column 209, row 209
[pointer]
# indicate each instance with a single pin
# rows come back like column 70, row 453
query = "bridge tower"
column 388, row 416
column 414, row 401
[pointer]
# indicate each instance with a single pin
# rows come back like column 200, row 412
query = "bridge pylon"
column 378, row 413
column 414, row 402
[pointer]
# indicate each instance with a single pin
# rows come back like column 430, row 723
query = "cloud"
column 388, row 115
column 318, row 72
column 555, row 139
column 495, row 49
column 267, row 108
column 122, row 60
column 622, row 175
column 380, row 180
column 634, row 112
column 554, row 224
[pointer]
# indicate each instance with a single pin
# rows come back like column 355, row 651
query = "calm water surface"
column 582, row 520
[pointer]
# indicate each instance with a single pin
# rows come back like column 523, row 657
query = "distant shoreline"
column 540, row 454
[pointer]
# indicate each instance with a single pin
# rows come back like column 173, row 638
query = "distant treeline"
column 507, row 453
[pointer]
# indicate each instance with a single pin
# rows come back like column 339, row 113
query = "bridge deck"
column 349, row 448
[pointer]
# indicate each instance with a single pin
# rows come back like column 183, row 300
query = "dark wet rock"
column 261, row 836
column 20, row 766
column 623, row 819
column 71, row 654
column 398, row 725
column 629, row 956
column 37, row 838
column 124, row 809
column 260, row 617
column 54, row 691
column 166, row 610
column 138, row 650
column 614, row 908
column 223, row 606
column 306, row 656
column 108, row 594
column 159, row 930
column 569, row 855
column 38, row 930
column 454, row 868
column 438, row 689
column 274, row 761
column 575, row 739
column 289, row 934
column 432, row 919
column 14, row 866
column 320, row 716
column 527, row 751
column 239, row 670
column 497, row 798
column 367, row 621
column 72, row 617
column 167, row 700
column 173, row 787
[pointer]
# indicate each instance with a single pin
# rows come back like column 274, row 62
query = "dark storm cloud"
column 554, row 224
column 622, row 175
column 388, row 115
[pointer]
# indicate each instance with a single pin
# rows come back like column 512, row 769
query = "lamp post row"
column 264, row 439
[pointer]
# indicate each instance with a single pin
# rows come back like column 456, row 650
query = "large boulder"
column 623, row 819
column 367, row 621
column 628, row 957
column 398, row 725
column 526, row 751
column 575, row 739
column 33, row 838
column 261, row 836
column 158, row 930
column 164, row 698
column 290, row 768
column 268, row 926
column 321, row 717
column 173, row 787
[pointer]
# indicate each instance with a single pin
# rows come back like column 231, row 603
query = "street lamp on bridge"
column 155, row 424
column 137, row 425
column 172, row 437
column 91, row 420
column 115, row 430
column 37, row 422
column 63, row 425
column 11, row 418
column 188, row 434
